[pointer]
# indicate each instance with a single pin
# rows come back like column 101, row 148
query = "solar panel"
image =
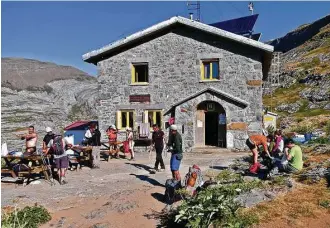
column 240, row 26
column 254, row 36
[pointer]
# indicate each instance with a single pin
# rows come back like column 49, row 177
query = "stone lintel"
column 237, row 126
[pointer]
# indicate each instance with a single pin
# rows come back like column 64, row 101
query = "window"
column 153, row 117
column 125, row 118
column 140, row 73
column 210, row 69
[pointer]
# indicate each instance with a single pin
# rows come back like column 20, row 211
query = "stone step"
column 209, row 150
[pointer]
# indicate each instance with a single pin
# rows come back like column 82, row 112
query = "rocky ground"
column 120, row 194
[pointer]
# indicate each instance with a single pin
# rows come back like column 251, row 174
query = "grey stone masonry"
column 174, row 60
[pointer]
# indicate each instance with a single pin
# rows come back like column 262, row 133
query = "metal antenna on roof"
column 196, row 6
column 251, row 7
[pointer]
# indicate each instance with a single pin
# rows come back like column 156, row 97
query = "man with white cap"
column 47, row 138
column 175, row 142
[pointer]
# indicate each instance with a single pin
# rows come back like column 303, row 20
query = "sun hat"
column 174, row 127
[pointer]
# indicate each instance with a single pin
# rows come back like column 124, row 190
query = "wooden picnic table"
column 85, row 155
column 35, row 165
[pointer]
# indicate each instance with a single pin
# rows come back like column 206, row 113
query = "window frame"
column 202, row 67
column 119, row 118
column 146, row 116
column 133, row 73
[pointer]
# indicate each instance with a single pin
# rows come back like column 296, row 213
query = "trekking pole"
column 44, row 161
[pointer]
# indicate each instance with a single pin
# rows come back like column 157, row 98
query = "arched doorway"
column 210, row 124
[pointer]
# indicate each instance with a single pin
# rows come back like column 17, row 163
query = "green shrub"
column 28, row 217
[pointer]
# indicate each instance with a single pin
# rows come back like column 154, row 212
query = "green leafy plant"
column 325, row 203
column 28, row 217
column 214, row 205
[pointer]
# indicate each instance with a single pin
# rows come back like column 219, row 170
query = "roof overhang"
column 226, row 96
column 98, row 55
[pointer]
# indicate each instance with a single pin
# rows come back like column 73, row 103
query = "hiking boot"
column 63, row 181
column 254, row 168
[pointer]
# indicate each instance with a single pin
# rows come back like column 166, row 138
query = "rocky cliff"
column 305, row 72
column 43, row 94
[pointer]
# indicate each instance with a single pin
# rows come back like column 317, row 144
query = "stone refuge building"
column 208, row 79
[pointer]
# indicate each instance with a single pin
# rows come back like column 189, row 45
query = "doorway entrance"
column 210, row 125
column 211, row 131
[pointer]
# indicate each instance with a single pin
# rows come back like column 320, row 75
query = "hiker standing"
column 112, row 135
column 158, row 144
column 30, row 140
column 96, row 145
column 57, row 145
column 253, row 142
column 175, row 142
column 130, row 139
column 88, row 135
column 49, row 136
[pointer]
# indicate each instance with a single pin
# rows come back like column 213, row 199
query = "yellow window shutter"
column 127, row 118
column 134, row 119
column 211, row 71
column 145, row 117
column 119, row 119
column 154, row 118
column 133, row 74
column 202, row 70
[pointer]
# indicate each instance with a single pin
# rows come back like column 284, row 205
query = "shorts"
column 32, row 149
column 250, row 144
column 62, row 162
column 175, row 162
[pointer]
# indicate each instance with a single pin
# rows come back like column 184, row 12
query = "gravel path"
column 119, row 194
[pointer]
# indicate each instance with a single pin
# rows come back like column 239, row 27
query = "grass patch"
column 312, row 112
column 284, row 95
column 325, row 48
column 309, row 65
column 301, row 202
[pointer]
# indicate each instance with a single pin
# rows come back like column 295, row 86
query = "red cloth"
column 126, row 147
column 171, row 121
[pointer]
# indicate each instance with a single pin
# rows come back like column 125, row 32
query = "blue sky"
column 62, row 32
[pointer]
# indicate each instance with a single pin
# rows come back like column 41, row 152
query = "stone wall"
column 174, row 73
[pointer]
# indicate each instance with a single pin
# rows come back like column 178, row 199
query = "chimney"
column 191, row 16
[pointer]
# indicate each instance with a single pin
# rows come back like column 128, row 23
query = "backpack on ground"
column 170, row 186
column 57, row 147
column 193, row 179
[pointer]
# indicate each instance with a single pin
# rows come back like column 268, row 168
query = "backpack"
column 57, row 147
column 193, row 179
column 170, row 186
